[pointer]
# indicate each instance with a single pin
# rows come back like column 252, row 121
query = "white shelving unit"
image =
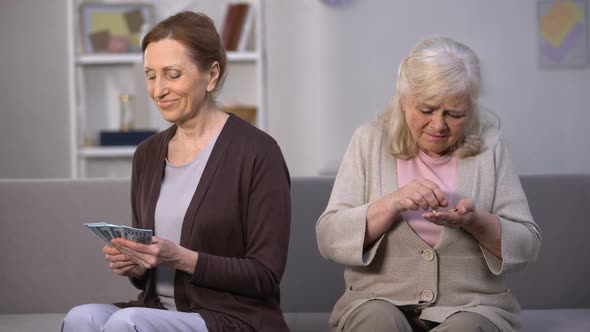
column 96, row 80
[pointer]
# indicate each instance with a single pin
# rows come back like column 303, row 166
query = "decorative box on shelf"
column 246, row 112
column 119, row 138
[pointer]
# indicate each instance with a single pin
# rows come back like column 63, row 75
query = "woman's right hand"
column 121, row 264
column 419, row 193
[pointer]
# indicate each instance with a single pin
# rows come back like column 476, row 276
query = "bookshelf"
column 96, row 80
column 136, row 58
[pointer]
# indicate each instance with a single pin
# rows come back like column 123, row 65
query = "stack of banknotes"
column 107, row 232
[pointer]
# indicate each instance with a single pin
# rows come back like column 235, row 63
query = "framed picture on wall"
column 563, row 33
column 114, row 27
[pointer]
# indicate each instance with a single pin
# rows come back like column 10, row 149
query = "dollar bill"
column 101, row 230
column 137, row 234
column 107, row 232
column 95, row 231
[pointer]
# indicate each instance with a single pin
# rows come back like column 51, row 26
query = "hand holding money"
column 107, row 232
column 160, row 252
column 121, row 264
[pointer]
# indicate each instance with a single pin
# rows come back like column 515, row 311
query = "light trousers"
column 382, row 316
column 107, row 317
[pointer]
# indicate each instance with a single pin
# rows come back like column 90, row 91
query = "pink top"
column 443, row 172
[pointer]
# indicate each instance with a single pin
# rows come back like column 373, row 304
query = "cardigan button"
column 428, row 254
column 427, row 295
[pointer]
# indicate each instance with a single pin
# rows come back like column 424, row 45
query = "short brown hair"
column 196, row 31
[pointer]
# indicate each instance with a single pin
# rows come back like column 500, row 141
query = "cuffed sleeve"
column 341, row 228
column 520, row 235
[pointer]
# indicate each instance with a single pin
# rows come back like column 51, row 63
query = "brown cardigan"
column 239, row 222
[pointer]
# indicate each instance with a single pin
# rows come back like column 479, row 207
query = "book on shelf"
column 247, row 30
column 237, row 25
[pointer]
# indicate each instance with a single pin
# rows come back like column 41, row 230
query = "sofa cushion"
column 53, row 261
column 310, row 282
column 559, row 277
column 31, row 322
column 556, row 320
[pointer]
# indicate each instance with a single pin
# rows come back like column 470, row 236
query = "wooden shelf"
column 133, row 58
column 107, row 152
column 243, row 56
column 108, row 59
column 97, row 79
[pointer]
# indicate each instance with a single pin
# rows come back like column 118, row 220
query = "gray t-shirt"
column 178, row 187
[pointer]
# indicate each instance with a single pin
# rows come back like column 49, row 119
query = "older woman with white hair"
column 427, row 213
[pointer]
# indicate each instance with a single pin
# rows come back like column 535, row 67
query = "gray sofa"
column 50, row 262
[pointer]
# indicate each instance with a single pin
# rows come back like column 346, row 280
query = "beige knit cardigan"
column 457, row 274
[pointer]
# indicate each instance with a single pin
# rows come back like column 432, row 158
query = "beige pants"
column 382, row 316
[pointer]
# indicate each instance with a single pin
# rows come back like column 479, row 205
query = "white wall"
column 331, row 69
column 34, row 127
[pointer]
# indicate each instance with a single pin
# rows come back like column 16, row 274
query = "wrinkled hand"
column 464, row 216
column 121, row 264
column 419, row 193
column 148, row 256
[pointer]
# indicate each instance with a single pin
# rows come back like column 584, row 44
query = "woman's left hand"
column 464, row 216
column 160, row 251
column 485, row 227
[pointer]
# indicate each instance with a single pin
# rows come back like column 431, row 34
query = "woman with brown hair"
column 216, row 192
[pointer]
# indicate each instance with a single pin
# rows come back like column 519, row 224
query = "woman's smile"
column 164, row 104
column 177, row 86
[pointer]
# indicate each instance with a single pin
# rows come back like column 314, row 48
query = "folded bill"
column 107, row 232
